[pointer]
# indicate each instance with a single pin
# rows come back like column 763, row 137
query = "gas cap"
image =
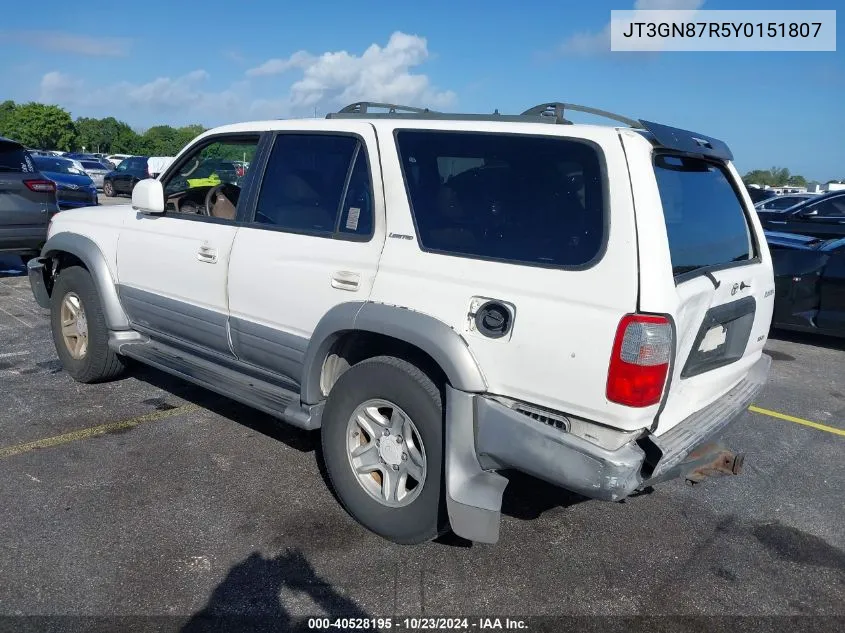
column 493, row 319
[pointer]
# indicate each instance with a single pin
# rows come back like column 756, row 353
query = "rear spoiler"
column 679, row 140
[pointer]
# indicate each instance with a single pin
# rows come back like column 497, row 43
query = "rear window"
column 514, row 198
column 13, row 158
column 89, row 164
column 705, row 219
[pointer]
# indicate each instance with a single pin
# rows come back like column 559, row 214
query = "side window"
column 316, row 184
column 208, row 180
column 356, row 215
column 832, row 208
column 507, row 197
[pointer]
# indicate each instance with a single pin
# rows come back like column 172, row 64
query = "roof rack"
column 661, row 135
column 362, row 110
column 363, row 107
column 557, row 109
column 543, row 113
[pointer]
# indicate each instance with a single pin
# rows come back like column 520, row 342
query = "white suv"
column 444, row 296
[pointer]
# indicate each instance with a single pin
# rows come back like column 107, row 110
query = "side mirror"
column 148, row 196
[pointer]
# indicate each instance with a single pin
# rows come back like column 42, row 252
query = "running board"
column 260, row 394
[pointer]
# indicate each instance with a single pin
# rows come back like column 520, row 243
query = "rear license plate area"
column 722, row 337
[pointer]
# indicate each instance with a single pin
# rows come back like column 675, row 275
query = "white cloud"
column 378, row 74
column 56, row 86
column 324, row 82
column 63, row 42
column 597, row 43
column 277, row 66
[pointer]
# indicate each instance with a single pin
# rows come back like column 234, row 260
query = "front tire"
column 382, row 436
column 79, row 328
column 108, row 189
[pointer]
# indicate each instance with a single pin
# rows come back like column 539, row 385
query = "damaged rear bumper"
column 502, row 438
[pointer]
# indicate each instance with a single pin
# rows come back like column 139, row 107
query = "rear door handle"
column 346, row 280
column 207, row 254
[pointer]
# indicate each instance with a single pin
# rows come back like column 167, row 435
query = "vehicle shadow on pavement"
column 808, row 338
column 303, row 441
column 527, row 498
column 250, row 597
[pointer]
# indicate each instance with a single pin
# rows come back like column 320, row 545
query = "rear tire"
column 108, row 189
column 380, row 385
column 79, row 328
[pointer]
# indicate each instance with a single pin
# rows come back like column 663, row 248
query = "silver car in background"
column 95, row 170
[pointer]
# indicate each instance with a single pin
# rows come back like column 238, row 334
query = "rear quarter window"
column 535, row 200
column 706, row 222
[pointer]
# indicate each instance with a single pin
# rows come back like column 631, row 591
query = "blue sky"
column 216, row 61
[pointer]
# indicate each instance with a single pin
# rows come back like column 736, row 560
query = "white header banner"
column 693, row 30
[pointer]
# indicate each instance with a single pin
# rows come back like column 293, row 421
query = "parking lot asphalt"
column 148, row 496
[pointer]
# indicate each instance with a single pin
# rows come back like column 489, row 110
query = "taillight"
column 640, row 360
column 43, row 186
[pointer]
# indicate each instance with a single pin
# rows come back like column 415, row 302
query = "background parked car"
column 27, row 202
column 820, row 216
column 758, row 195
column 96, row 171
column 74, row 188
column 781, row 203
column 94, row 158
column 116, row 159
column 125, row 176
column 809, row 283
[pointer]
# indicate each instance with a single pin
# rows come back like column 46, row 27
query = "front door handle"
column 346, row 280
column 207, row 254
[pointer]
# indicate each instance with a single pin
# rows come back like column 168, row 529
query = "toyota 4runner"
column 445, row 296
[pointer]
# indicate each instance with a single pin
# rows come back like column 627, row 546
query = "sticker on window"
column 352, row 219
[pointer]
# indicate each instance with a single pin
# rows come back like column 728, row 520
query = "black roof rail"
column 363, row 107
column 663, row 136
column 557, row 110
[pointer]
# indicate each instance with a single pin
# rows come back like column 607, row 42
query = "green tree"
column 41, row 126
column 780, row 175
column 7, row 109
column 159, row 140
column 758, row 177
column 106, row 135
column 774, row 177
column 187, row 134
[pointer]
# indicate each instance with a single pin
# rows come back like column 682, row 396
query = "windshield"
column 705, row 220
column 56, row 165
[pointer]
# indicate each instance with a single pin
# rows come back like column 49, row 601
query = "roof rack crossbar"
column 557, row 109
column 363, row 107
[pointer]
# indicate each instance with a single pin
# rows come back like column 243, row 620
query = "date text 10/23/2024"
column 417, row 624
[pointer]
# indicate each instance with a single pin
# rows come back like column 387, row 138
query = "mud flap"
column 473, row 495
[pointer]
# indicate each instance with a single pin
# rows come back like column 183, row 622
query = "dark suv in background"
column 27, row 202
column 126, row 175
